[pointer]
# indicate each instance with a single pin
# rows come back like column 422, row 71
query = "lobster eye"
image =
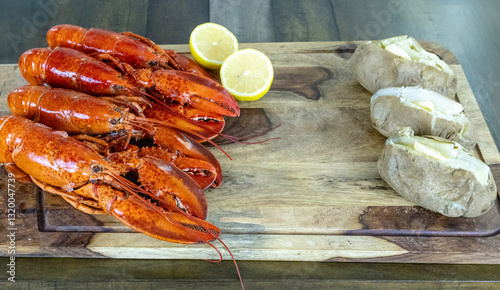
column 96, row 168
column 114, row 121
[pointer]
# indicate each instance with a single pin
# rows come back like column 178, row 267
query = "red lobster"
column 136, row 50
column 163, row 203
column 175, row 207
column 70, row 69
column 79, row 113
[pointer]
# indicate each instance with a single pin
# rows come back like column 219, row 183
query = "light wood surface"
column 312, row 195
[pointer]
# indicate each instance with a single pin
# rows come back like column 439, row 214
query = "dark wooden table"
column 467, row 28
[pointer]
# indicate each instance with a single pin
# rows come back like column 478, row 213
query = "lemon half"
column 247, row 74
column 211, row 44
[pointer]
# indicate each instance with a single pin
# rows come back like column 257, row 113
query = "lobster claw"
column 175, row 141
column 210, row 124
column 174, row 147
column 153, row 220
column 163, row 183
column 191, row 89
column 202, row 172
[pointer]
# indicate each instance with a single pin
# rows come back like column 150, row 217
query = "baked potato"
column 398, row 62
column 438, row 174
column 424, row 111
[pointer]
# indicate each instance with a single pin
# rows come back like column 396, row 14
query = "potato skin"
column 376, row 68
column 389, row 116
column 435, row 185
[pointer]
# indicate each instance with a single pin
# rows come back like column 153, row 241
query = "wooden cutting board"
column 312, row 195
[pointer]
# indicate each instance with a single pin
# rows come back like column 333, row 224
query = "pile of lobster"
column 113, row 124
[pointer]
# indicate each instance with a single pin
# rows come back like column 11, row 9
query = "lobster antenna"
column 223, row 244
column 234, row 261
column 219, row 239
column 220, row 255
column 218, row 252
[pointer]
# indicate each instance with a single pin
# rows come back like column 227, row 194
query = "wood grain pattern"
column 171, row 21
column 250, row 21
column 313, row 195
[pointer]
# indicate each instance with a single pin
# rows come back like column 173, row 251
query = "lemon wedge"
column 247, row 74
column 211, row 44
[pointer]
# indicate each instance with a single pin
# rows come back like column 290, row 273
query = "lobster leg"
column 105, row 56
column 135, row 107
column 19, row 175
column 82, row 207
column 100, row 146
column 124, row 67
column 75, row 198
column 169, row 186
column 171, row 62
column 129, row 101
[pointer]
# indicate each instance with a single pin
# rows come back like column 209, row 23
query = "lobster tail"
column 32, row 65
column 7, row 130
column 23, row 101
column 66, row 35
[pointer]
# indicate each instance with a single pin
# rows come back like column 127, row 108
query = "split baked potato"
column 438, row 174
column 424, row 111
column 401, row 61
